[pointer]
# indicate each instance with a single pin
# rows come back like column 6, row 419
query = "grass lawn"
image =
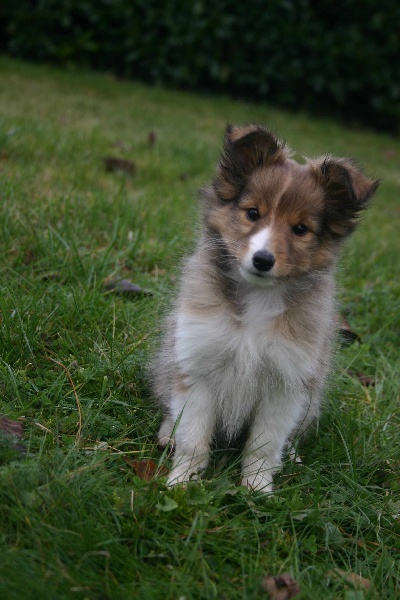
column 76, row 520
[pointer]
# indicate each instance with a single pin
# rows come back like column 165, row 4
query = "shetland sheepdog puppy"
column 249, row 341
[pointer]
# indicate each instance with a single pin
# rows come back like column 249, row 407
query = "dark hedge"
column 297, row 53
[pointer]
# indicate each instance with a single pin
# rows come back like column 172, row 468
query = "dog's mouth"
column 258, row 278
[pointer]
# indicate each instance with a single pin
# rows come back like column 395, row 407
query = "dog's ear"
column 246, row 149
column 347, row 192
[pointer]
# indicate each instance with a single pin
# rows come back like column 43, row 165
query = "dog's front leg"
column 273, row 422
column 193, row 412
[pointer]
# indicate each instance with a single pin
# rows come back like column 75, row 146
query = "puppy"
column 249, row 340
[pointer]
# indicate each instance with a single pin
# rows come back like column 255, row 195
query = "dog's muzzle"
column 263, row 261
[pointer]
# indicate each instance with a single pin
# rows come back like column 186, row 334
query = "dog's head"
column 276, row 218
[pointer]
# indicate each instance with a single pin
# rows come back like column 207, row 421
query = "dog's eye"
column 300, row 229
column 253, row 214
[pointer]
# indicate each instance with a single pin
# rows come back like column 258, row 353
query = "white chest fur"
column 243, row 359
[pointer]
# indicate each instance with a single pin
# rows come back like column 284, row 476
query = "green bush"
column 296, row 53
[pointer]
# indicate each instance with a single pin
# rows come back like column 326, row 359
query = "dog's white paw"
column 258, row 483
column 165, row 436
column 166, row 440
column 183, row 472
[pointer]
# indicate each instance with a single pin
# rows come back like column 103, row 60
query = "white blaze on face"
column 258, row 241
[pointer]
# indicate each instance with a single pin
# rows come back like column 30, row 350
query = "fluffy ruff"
column 249, row 340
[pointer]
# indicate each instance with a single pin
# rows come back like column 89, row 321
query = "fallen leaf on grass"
column 13, row 430
column 29, row 257
column 123, row 165
column 364, row 379
column 146, row 469
column 3, row 155
column 152, row 138
column 125, row 287
column 11, row 427
column 348, row 336
column 355, row 580
column 281, row 587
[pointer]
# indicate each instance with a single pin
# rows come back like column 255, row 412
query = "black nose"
column 263, row 260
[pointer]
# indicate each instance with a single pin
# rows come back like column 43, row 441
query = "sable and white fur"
column 249, row 340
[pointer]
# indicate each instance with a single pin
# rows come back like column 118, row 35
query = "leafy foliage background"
column 296, row 53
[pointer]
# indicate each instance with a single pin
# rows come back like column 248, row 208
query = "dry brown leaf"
column 123, row 165
column 348, row 336
column 146, row 469
column 14, row 430
column 364, row 379
column 125, row 287
column 10, row 427
column 152, row 138
column 280, row 587
column 353, row 578
column 29, row 257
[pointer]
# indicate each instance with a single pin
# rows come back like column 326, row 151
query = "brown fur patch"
column 246, row 149
column 255, row 171
column 218, row 292
column 298, row 324
column 180, row 386
column 346, row 192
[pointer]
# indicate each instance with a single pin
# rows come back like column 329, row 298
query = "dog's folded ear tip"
column 255, row 137
column 236, row 133
column 346, row 172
